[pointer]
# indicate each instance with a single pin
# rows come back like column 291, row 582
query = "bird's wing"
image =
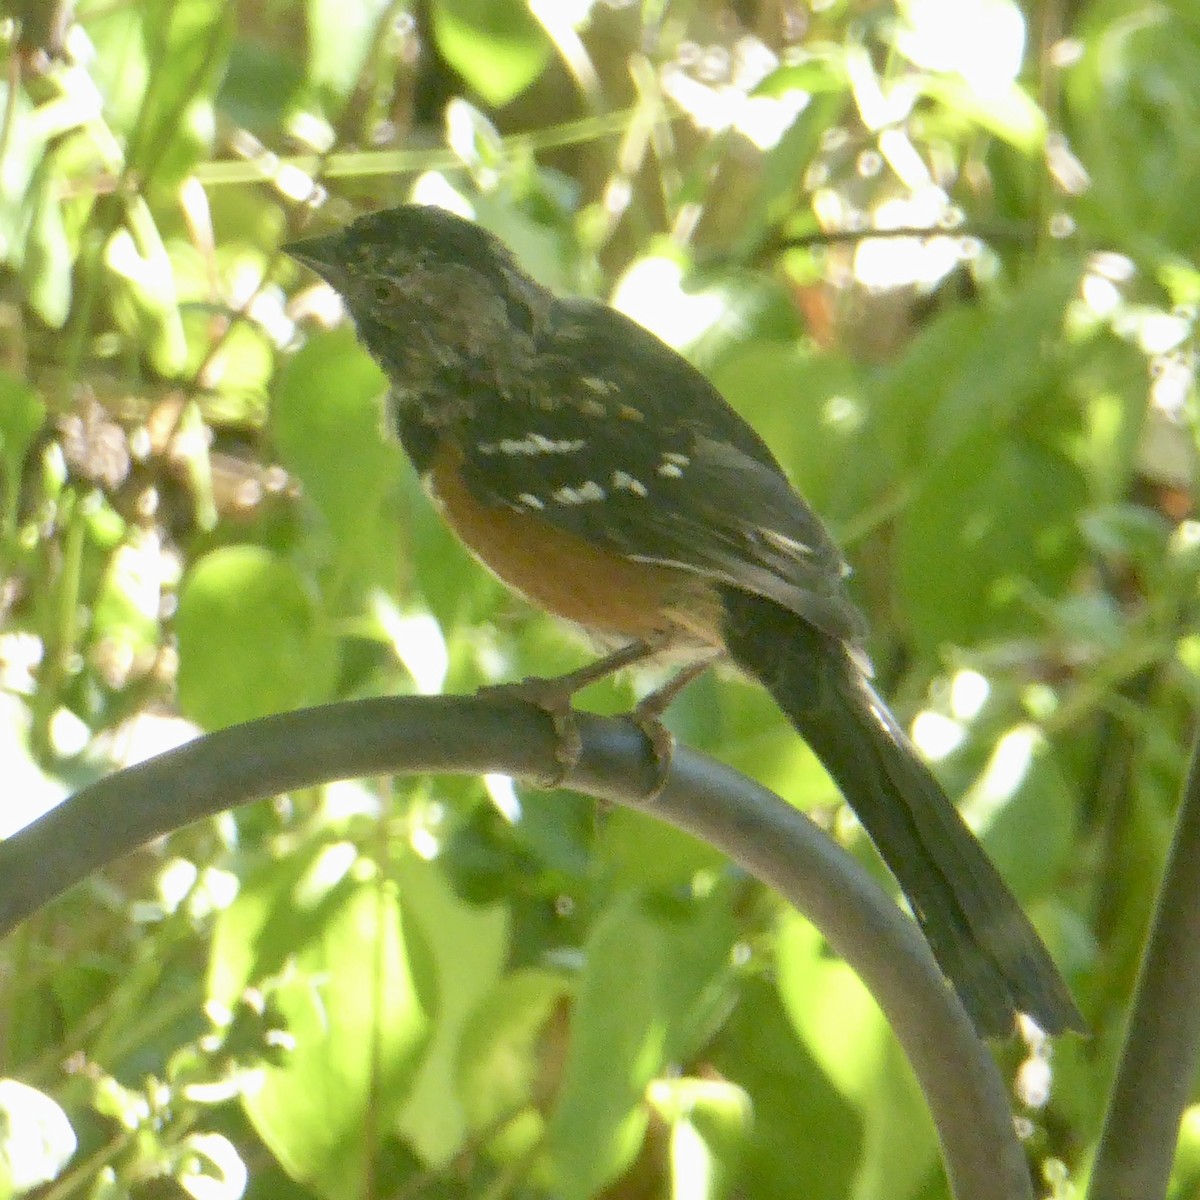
column 618, row 439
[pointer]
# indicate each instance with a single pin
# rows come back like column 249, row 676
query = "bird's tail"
column 975, row 927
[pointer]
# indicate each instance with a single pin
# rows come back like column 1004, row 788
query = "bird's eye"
column 383, row 291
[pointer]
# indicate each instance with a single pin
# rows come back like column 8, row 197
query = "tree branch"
column 754, row 827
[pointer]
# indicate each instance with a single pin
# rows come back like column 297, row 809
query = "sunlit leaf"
column 618, row 1032
column 210, row 1168
column 326, row 421
column 711, row 1122
column 651, row 984
column 36, row 1139
column 496, row 45
column 332, row 953
column 467, row 945
column 145, row 292
column 843, row 1029
column 806, row 1137
column 508, row 1058
column 22, row 414
column 340, row 37
column 48, row 260
column 1024, row 808
column 186, row 42
column 251, row 639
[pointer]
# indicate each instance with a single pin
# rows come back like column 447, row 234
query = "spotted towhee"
column 600, row 475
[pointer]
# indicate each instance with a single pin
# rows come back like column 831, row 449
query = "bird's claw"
column 555, row 701
column 648, row 720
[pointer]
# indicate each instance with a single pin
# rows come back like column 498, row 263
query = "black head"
column 421, row 263
column 397, row 240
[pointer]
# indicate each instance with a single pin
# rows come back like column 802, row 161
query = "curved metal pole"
column 1162, row 1041
column 395, row 735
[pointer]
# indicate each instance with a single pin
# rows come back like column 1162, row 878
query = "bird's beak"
column 324, row 255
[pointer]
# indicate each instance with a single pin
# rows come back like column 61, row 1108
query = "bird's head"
column 423, row 284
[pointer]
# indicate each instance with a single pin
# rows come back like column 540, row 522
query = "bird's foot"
column 554, row 695
column 554, row 699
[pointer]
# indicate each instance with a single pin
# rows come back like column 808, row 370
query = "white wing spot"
column 583, row 494
column 783, row 542
column 529, row 500
column 547, row 445
column 622, row 481
column 672, row 456
column 670, row 470
column 533, row 444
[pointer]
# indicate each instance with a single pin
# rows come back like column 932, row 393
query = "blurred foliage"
column 941, row 252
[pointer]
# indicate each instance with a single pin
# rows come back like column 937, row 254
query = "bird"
column 600, row 475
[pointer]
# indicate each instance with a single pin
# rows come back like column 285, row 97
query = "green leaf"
column 993, row 525
column 245, row 363
column 806, row 1136
column 186, row 43
column 1134, row 100
column 906, row 396
column 980, row 372
column 340, row 37
column 643, row 852
column 331, row 953
column 899, row 1150
column 1008, row 112
column 829, row 1007
column 33, row 234
column 46, row 270
column 546, row 251
column 737, row 721
column 22, row 152
column 325, row 420
column 120, row 69
column 811, row 410
column 1185, row 1171
column 128, row 603
column 495, row 45
column 843, row 1029
column 255, row 935
column 144, row 296
column 506, row 1061
column 653, row 980
column 251, row 638
column 1024, row 808
column 467, row 945
column 618, row 1035
column 711, row 1122
column 22, row 415
column 262, row 82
